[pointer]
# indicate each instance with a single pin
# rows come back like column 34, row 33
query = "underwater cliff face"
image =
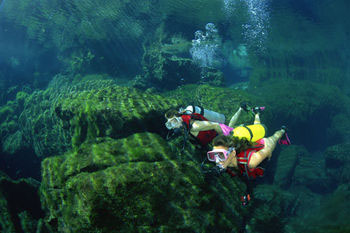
column 84, row 86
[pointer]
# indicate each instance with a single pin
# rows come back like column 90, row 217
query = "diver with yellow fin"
column 201, row 126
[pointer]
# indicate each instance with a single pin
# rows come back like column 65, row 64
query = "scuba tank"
column 209, row 115
column 251, row 132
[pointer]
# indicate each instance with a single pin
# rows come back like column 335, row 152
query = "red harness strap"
column 243, row 160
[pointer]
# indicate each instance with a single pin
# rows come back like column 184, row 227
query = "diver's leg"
column 234, row 118
column 257, row 119
column 266, row 152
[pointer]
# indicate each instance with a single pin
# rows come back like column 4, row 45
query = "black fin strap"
column 201, row 110
column 193, row 108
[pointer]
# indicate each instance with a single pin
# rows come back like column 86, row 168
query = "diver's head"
column 222, row 148
column 172, row 113
column 174, row 119
column 222, row 141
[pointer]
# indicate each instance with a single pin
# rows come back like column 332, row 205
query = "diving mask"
column 219, row 155
column 174, row 122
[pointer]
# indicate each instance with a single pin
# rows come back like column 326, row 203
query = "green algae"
column 112, row 111
column 71, row 111
column 110, row 186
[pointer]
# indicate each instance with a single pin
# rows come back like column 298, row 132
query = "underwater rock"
column 166, row 71
column 330, row 216
column 136, row 184
column 19, row 204
column 338, row 163
column 76, row 110
column 271, row 208
column 178, row 46
column 296, row 103
column 41, row 128
column 94, row 26
column 340, row 128
column 112, row 111
column 11, row 136
column 315, row 64
column 310, row 173
column 286, row 164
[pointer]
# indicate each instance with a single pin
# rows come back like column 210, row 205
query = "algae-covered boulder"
column 340, row 128
column 331, row 216
column 136, row 184
column 307, row 109
column 112, row 111
column 271, row 208
column 165, row 71
column 48, row 120
column 338, row 163
column 286, row 164
column 29, row 121
column 310, row 173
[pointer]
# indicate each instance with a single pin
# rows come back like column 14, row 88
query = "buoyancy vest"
column 243, row 160
column 203, row 137
column 251, row 132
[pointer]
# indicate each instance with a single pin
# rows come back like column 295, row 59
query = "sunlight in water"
column 255, row 30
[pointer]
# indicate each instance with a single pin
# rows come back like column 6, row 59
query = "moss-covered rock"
column 331, row 216
column 79, row 109
column 340, row 128
column 286, row 164
column 270, row 209
column 307, row 109
column 136, row 184
column 310, row 172
column 166, row 71
column 112, row 111
column 11, row 137
column 338, row 163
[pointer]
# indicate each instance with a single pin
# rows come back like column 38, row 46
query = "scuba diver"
column 239, row 156
column 204, row 125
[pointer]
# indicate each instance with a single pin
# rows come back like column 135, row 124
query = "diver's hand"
column 219, row 169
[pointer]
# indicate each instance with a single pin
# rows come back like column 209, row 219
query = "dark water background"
column 290, row 39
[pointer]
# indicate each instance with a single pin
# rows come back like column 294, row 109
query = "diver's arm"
column 234, row 118
column 198, row 126
column 231, row 161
